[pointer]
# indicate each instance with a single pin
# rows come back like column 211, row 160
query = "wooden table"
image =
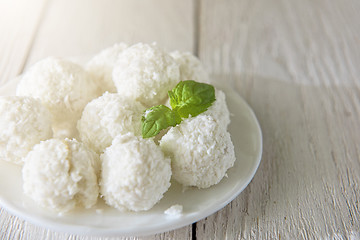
column 297, row 64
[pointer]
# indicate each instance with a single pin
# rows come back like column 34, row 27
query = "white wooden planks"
column 18, row 24
column 82, row 28
column 294, row 62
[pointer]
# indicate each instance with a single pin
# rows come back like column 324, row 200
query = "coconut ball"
column 190, row 67
column 135, row 173
column 61, row 174
column 102, row 64
column 145, row 73
column 219, row 110
column 24, row 122
column 63, row 87
column 108, row 116
column 201, row 151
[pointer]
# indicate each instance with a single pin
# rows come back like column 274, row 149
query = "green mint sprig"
column 158, row 118
column 187, row 99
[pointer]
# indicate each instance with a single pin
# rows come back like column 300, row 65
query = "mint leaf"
column 190, row 98
column 158, row 118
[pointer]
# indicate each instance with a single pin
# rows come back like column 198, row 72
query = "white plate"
column 197, row 204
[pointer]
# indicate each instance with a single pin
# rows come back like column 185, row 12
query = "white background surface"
column 295, row 62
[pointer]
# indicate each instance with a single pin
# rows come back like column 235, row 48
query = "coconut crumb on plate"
column 174, row 210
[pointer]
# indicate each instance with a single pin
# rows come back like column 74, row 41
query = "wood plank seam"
column 32, row 41
column 196, row 22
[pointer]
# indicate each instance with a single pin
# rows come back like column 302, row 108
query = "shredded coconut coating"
column 108, row 116
column 201, row 151
column 102, row 64
column 61, row 175
column 63, row 87
column 145, row 73
column 24, row 122
column 190, row 67
column 135, row 173
column 219, row 110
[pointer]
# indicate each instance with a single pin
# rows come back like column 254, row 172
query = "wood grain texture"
column 83, row 28
column 295, row 64
column 18, row 24
column 19, row 229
